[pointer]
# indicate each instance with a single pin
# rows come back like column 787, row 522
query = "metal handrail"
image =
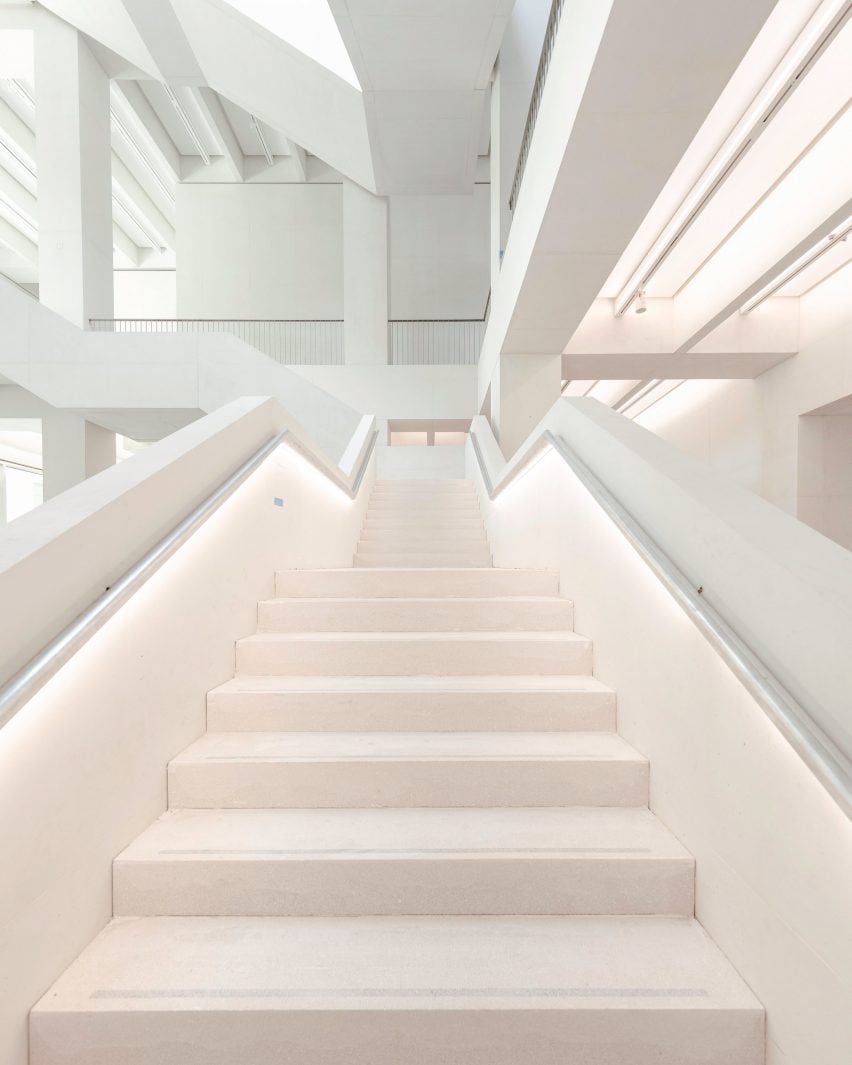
column 829, row 764
column 537, row 93
column 37, row 672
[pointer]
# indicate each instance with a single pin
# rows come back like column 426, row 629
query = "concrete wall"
column 277, row 251
column 773, row 850
column 83, row 764
column 260, row 251
column 439, row 255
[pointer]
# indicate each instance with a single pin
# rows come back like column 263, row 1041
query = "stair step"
column 324, row 614
column 424, row 484
column 415, row 523
column 443, row 508
column 418, row 534
column 420, row 653
column 393, row 862
column 388, row 560
column 320, row 991
column 404, row 545
column 414, row 704
column 409, row 581
column 256, row 770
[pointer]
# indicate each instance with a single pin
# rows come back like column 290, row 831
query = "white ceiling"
column 425, row 68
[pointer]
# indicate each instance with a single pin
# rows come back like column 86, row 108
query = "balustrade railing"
column 308, row 342
column 416, row 342
column 535, row 101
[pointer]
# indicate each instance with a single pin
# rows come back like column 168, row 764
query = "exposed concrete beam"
column 300, row 157
column 220, row 129
column 155, row 219
column 622, row 102
column 19, row 198
column 704, row 305
column 125, row 245
column 149, row 120
column 667, row 366
column 19, row 242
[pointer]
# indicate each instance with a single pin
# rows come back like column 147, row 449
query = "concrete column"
column 74, row 175
column 523, row 390
column 365, row 276
column 495, row 173
column 3, row 515
column 72, row 450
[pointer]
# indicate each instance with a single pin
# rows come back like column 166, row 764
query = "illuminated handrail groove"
column 818, row 751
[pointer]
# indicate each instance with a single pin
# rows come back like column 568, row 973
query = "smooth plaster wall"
column 773, row 851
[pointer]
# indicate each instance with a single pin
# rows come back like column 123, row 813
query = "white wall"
column 276, row 251
column 260, row 251
column 825, row 474
column 412, row 463
column 773, row 851
column 749, row 430
column 83, row 764
column 145, row 293
column 439, row 255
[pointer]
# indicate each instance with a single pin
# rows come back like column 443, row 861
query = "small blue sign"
column 278, row 501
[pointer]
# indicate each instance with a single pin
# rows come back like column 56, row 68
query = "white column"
column 74, row 175
column 523, row 390
column 495, row 173
column 72, row 450
column 365, row 276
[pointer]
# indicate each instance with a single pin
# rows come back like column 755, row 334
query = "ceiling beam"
column 158, row 138
column 154, row 218
column 125, row 245
column 300, row 158
column 220, row 129
column 701, row 306
column 18, row 242
column 707, row 366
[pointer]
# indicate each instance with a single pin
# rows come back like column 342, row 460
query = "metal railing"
column 537, row 93
column 817, row 750
column 304, row 342
column 419, row 342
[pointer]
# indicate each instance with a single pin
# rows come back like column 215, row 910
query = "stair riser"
column 592, row 1033
column 406, row 561
column 401, row 615
column 405, row 886
column 426, row 509
column 415, row 534
column 484, row 582
column 403, row 546
column 411, row 712
column 415, row 657
column 353, row 784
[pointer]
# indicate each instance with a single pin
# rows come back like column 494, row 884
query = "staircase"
column 410, row 836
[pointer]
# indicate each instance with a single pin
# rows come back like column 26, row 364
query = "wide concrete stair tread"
column 326, row 613
column 249, row 770
column 403, row 560
column 347, row 653
column 414, row 581
column 483, row 990
column 404, row 861
column 413, row 703
column 408, row 746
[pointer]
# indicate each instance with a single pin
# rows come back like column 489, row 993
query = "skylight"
column 307, row 25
